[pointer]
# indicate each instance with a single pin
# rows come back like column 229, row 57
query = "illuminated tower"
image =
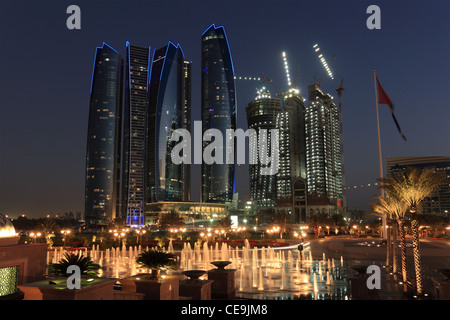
column 169, row 110
column 323, row 152
column 134, row 138
column 104, row 134
column 262, row 113
column 218, row 100
column 291, row 177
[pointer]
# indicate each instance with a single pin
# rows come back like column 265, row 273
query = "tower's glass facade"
column 134, row 138
column 218, row 101
column 169, row 110
column 104, row 136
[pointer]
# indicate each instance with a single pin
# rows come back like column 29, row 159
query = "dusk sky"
column 45, row 78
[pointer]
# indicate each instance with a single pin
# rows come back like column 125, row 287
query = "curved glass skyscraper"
column 218, row 110
column 104, row 134
column 168, row 110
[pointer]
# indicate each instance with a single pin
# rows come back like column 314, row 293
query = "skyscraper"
column 218, row 100
column 168, row 110
column 291, row 177
column 323, row 152
column 186, row 119
column 262, row 113
column 134, row 137
column 104, row 136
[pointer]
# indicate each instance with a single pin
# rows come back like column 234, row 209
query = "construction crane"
column 247, row 78
column 325, row 65
column 293, row 87
column 265, row 93
column 286, row 67
column 339, row 90
column 263, row 78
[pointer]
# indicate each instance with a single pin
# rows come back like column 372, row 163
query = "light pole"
column 65, row 233
column 33, row 235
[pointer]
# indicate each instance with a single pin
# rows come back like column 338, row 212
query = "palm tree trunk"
column 401, row 223
column 388, row 242
column 394, row 247
column 416, row 253
column 154, row 274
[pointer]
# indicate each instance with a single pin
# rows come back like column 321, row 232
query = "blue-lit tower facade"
column 103, row 152
column 134, row 135
column 218, row 103
column 168, row 110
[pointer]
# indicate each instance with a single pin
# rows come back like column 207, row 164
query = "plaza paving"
column 367, row 251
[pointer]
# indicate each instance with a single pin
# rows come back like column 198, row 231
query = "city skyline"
column 42, row 167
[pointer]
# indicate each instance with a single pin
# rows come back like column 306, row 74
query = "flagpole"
column 379, row 149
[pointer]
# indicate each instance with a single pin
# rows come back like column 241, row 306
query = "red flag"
column 382, row 96
column 384, row 99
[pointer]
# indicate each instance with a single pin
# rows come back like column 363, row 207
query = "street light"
column 120, row 235
column 34, row 235
column 65, row 233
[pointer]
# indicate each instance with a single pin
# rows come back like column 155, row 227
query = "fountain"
column 260, row 273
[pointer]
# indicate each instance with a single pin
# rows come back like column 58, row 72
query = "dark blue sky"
column 45, row 75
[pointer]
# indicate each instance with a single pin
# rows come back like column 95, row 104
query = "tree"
column 412, row 186
column 337, row 221
column 48, row 227
column 394, row 210
column 281, row 220
column 169, row 220
column 86, row 265
column 318, row 220
column 155, row 260
column 224, row 223
column 118, row 223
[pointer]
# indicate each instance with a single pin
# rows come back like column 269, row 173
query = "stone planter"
column 357, row 277
column 196, row 289
column 163, row 288
column 442, row 286
column 56, row 289
column 223, row 286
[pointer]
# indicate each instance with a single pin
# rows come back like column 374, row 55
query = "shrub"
column 86, row 265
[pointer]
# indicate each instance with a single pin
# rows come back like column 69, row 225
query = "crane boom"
column 286, row 67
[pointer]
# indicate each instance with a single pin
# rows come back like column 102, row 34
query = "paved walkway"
column 435, row 256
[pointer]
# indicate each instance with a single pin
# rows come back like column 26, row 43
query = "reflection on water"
column 261, row 273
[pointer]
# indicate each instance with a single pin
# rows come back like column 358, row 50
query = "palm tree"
column 394, row 226
column 281, row 220
column 384, row 208
column 48, row 227
column 118, row 223
column 224, row 224
column 85, row 263
column 171, row 219
column 155, row 260
column 412, row 186
column 394, row 209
